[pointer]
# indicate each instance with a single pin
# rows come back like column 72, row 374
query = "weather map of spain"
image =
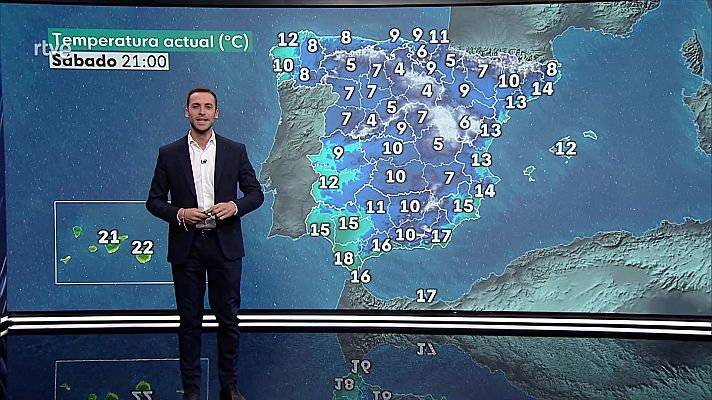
column 405, row 154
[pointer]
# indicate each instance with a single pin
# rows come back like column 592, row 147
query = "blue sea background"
column 94, row 135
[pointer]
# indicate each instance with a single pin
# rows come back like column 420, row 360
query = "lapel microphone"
column 203, row 161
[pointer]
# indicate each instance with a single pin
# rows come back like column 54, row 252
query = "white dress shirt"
column 202, row 162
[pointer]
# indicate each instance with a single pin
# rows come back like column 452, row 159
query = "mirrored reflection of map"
column 142, row 379
column 543, row 367
column 400, row 366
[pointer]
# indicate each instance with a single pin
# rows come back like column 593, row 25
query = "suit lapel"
column 187, row 168
column 219, row 162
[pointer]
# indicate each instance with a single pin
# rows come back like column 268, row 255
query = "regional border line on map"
column 405, row 109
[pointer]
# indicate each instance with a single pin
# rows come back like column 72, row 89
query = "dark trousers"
column 224, row 297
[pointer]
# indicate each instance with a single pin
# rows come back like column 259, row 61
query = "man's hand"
column 222, row 210
column 193, row 216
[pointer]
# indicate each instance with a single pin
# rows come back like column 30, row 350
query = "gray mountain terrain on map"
column 287, row 170
column 693, row 53
column 700, row 103
column 667, row 270
column 527, row 31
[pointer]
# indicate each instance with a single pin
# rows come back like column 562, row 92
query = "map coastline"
column 534, row 27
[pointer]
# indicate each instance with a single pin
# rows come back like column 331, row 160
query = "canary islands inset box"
column 108, row 243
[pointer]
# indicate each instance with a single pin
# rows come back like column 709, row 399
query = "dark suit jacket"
column 174, row 175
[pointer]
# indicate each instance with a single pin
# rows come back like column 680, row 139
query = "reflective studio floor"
column 373, row 366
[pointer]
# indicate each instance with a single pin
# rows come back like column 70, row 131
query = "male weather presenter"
column 202, row 172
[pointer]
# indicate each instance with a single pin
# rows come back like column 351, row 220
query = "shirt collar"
column 192, row 142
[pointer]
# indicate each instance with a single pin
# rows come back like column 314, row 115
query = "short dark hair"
column 200, row 90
